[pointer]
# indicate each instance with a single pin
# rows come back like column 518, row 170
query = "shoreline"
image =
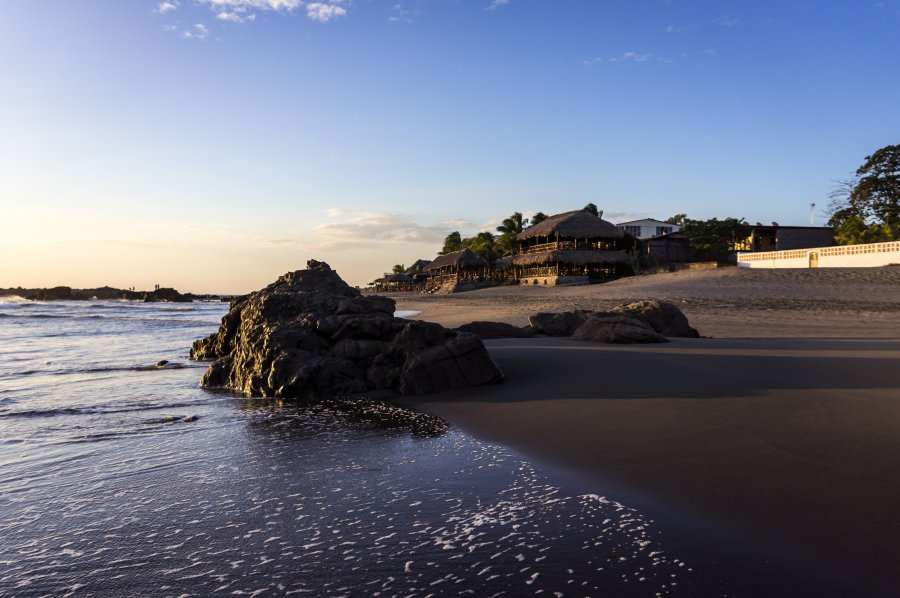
column 783, row 430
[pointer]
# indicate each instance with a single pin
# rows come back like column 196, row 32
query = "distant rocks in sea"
column 309, row 334
column 63, row 293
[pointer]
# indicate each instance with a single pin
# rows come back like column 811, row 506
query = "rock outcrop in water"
column 311, row 334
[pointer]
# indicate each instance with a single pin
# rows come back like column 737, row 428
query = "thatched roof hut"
column 417, row 267
column 397, row 278
column 573, row 257
column 457, row 260
column 573, row 225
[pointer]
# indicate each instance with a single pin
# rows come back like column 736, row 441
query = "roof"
column 577, row 225
column 417, row 266
column 397, row 278
column 674, row 236
column 578, row 257
column 461, row 259
column 646, row 222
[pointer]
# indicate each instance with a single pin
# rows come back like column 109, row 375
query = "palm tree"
column 538, row 218
column 513, row 225
column 399, row 269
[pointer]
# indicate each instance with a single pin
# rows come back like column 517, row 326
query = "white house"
column 648, row 227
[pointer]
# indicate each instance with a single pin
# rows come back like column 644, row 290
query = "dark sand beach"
column 783, row 429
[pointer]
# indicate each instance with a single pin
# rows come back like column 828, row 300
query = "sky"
column 212, row 145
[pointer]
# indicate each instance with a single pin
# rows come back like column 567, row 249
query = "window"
column 663, row 230
column 633, row 230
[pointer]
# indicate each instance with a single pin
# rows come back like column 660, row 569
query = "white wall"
column 869, row 255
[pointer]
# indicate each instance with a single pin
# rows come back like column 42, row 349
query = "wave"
column 100, row 410
column 159, row 366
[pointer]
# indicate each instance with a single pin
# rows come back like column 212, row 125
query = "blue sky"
column 212, row 145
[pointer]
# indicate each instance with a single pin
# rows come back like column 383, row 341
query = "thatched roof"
column 461, row 259
column 417, row 266
column 576, row 257
column 574, row 225
column 397, row 278
column 503, row 262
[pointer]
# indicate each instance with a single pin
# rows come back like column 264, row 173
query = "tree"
column 482, row 244
column 876, row 193
column 538, row 218
column 512, row 226
column 399, row 269
column 592, row 209
column 452, row 242
column 677, row 219
column 714, row 239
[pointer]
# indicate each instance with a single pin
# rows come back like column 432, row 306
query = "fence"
column 869, row 255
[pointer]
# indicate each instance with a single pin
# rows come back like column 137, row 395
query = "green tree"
column 538, row 218
column 876, row 193
column 452, row 242
column 399, row 269
column 677, row 219
column 483, row 244
column 512, row 226
column 591, row 208
column 714, row 239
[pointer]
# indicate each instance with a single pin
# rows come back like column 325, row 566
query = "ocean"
column 121, row 477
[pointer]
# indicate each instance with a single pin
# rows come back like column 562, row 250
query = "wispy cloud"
column 399, row 14
column 354, row 230
column 322, row 12
column 495, row 4
column 235, row 16
column 198, row 31
column 637, row 57
column 726, row 21
column 681, row 28
column 164, row 7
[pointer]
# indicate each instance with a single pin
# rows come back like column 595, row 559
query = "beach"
column 782, row 428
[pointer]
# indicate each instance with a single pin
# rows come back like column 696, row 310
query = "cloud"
column 198, row 31
column 245, row 5
column 495, row 4
column 726, row 21
column 164, row 7
column 401, row 14
column 632, row 56
column 355, row 230
column 681, row 28
column 319, row 11
column 235, row 17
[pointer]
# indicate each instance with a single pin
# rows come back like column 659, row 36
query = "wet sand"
column 783, row 429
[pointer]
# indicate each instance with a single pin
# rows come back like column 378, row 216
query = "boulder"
column 309, row 334
column 487, row 330
column 558, row 324
column 665, row 318
column 617, row 328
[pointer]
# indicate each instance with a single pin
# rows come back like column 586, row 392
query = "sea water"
column 121, row 477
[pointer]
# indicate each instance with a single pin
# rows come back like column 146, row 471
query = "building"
column 456, row 267
column 648, row 227
column 782, row 238
column 571, row 248
column 669, row 248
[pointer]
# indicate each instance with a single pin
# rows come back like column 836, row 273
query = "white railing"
column 841, row 256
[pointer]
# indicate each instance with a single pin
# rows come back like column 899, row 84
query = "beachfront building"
column 647, row 228
column 390, row 283
column 670, row 248
column 572, row 248
column 783, row 238
column 456, row 267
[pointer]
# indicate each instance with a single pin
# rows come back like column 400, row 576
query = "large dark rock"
column 487, row 330
column 558, row 324
column 309, row 334
column 638, row 322
column 665, row 318
column 617, row 328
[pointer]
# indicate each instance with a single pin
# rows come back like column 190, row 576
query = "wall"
column 846, row 256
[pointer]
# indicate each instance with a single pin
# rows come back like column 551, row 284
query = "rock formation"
column 638, row 322
column 309, row 334
column 489, row 330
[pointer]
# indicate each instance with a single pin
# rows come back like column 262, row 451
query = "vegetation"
column 398, row 269
column 866, row 209
column 491, row 246
column 712, row 239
